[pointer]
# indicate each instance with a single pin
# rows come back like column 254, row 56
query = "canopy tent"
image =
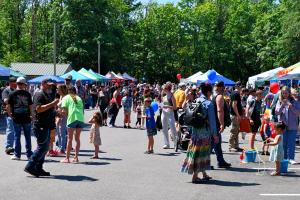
column 194, row 77
column 120, row 75
column 127, row 76
column 101, row 77
column 285, row 71
column 295, row 74
column 77, row 76
column 39, row 79
column 113, row 76
column 16, row 73
column 204, row 79
column 89, row 74
column 253, row 79
column 4, row 71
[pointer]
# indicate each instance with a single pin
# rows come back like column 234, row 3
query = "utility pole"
column 99, row 55
column 54, row 48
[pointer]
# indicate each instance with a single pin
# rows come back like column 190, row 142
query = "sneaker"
column 14, row 157
column 293, row 162
column 128, row 126
column 125, row 126
column 42, row 172
column 110, row 126
column 224, row 165
column 166, row 147
column 32, row 171
column 52, row 153
column 9, row 150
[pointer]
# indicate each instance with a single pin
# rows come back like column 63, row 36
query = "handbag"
column 245, row 125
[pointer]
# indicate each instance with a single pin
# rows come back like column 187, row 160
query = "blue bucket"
column 284, row 165
column 250, row 155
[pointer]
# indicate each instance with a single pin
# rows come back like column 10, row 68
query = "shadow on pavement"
column 229, row 183
column 94, row 163
column 91, row 151
column 112, row 159
column 167, row 154
column 72, row 178
column 239, row 169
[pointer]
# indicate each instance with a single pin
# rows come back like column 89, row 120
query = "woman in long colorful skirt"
column 198, row 153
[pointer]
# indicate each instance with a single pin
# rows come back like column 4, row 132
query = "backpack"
column 195, row 115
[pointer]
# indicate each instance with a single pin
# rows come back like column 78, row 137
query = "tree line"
column 237, row 38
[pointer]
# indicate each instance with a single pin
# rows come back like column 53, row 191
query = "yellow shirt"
column 179, row 97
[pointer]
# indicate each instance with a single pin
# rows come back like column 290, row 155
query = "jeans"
column 168, row 121
column 27, row 133
column 114, row 117
column 289, row 141
column 61, row 132
column 10, row 133
column 43, row 138
column 218, row 149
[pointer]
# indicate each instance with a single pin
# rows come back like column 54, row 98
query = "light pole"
column 99, row 55
column 54, row 49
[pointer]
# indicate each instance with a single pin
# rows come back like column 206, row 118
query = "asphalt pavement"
column 124, row 172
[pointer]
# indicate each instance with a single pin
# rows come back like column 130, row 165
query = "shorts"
column 255, row 127
column 151, row 131
column 76, row 124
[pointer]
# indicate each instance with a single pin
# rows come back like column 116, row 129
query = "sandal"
column 206, row 178
column 75, row 160
column 147, row 152
column 66, row 160
column 197, row 181
column 94, row 157
column 275, row 173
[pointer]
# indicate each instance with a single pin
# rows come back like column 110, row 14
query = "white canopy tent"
column 252, row 79
column 194, row 77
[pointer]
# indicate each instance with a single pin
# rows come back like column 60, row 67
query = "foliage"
column 237, row 38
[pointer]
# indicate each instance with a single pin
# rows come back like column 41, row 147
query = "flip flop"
column 275, row 174
column 75, row 160
column 94, row 157
column 207, row 178
column 197, row 181
column 65, row 160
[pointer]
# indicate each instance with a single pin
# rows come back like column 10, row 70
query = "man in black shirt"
column 236, row 111
column 19, row 107
column 10, row 132
column 42, row 109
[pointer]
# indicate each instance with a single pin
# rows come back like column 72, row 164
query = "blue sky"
column 161, row 1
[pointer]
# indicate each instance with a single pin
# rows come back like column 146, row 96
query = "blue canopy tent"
column 204, row 79
column 4, row 72
column 39, row 79
column 78, row 76
column 127, row 76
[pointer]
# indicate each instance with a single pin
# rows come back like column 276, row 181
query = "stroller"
column 184, row 134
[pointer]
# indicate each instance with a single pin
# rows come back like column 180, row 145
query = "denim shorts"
column 76, row 124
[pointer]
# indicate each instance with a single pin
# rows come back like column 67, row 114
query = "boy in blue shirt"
column 150, row 125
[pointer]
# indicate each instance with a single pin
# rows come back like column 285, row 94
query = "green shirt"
column 75, row 110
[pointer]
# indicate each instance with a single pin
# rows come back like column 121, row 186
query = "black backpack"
column 195, row 115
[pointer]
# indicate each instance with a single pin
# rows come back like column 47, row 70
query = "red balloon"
column 274, row 88
column 178, row 76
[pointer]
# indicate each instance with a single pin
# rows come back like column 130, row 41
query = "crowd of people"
column 55, row 114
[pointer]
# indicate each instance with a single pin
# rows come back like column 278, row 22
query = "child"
column 95, row 138
column 277, row 151
column 266, row 134
column 150, row 125
column 127, row 105
column 138, row 111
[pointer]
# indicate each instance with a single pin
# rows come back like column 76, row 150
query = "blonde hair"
column 284, row 88
column 72, row 93
column 63, row 89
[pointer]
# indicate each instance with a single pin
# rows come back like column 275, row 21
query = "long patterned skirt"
column 198, row 152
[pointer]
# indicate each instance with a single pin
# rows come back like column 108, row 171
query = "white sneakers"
column 293, row 162
column 14, row 157
column 166, row 147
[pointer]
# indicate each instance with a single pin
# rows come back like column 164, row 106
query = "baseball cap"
column 220, row 84
column 194, row 87
column 21, row 80
column 181, row 85
column 12, row 79
column 69, row 77
column 238, row 84
column 48, row 81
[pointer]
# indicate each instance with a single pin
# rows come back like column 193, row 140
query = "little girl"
column 138, row 111
column 150, row 125
column 277, row 151
column 95, row 138
column 266, row 133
